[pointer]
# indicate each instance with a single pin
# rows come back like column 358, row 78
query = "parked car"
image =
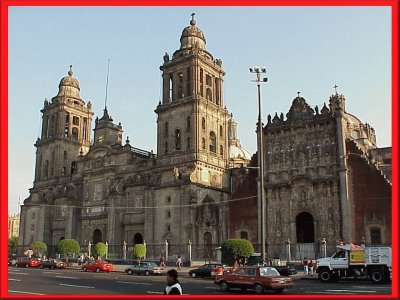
column 286, row 270
column 220, row 270
column 258, row 278
column 146, row 268
column 97, row 266
column 204, row 270
column 26, row 262
column 12, row 261
column 129, row 270
column 52, row 264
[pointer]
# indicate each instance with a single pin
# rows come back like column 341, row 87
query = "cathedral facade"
column 326, row 182
column 107, row 190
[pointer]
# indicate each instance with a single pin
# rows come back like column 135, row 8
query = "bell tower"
column 66, row 122
column 192, row 120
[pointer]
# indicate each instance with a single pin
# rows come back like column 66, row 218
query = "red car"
column 27, row 262
column 97, row 266
column 257, row 278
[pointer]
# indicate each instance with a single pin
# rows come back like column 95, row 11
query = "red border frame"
column 4, row 128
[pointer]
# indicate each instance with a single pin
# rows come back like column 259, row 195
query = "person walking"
column 162, row 262
column 305, row 265
column 310, row 267
column 179, row 263
column 173, row 286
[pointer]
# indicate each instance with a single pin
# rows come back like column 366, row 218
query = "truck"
column 351, row 261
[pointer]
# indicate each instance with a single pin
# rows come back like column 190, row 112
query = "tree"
column 12, row 245
column 100, row 249
column 68, row 247
column 139, row 251
column 38, row 248
column 233, row 249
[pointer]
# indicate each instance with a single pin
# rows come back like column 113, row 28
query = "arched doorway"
column 305, row 228
column 97, row 236
column 137, row 238
column 207, row 245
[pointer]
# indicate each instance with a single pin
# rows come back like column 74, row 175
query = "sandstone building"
column 324, row 176
column 108, row 190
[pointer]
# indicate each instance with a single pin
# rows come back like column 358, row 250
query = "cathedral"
column 325, row 178
column 102, row 189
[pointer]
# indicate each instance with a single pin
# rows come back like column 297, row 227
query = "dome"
column 69, row 86
column 237, row 152
column 193, row 36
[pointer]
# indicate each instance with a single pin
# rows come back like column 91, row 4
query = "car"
column 12, row 261
column 52, row 264
column 97, row 266
column 26, row 262
column 204, row 270
column 146, row 268
column 260, row 279
column 286, row 270
column 129, row 270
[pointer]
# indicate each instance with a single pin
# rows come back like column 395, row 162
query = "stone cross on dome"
column 335, row 87
column 193, row 21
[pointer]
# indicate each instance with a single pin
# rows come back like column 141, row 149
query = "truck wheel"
column 325, row 276
column 224, row 286
column 377, row 276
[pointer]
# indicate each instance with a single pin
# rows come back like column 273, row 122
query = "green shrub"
column 139, row 251
column 68, row 247
column 38, row 248
column 100, row 249
column 233, row 249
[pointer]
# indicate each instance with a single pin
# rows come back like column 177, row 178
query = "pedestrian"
column 179, row 263
column 173, row 286
column 305, row 265
column 162, row 262
column 310, row 267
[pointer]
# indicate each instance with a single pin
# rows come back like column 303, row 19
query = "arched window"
column 209, row 95
column 244, row 235
column 46, row 169
column 166, row 147
column 221, row 150
column 376, row 238
column 213, row 142
column 221, row 131
column 203, row 123
column 207, row 245
column 188, row 143
column 177, row 139
column 75, row 132
column 203, row 143
column 73, row 167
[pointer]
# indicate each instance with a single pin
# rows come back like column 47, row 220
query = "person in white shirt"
column 173, row 286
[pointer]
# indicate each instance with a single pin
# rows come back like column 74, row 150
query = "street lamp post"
column 258, row 71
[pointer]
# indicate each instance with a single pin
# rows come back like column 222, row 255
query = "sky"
column 305, row 49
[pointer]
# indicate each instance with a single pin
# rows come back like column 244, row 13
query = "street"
column 32, row 281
